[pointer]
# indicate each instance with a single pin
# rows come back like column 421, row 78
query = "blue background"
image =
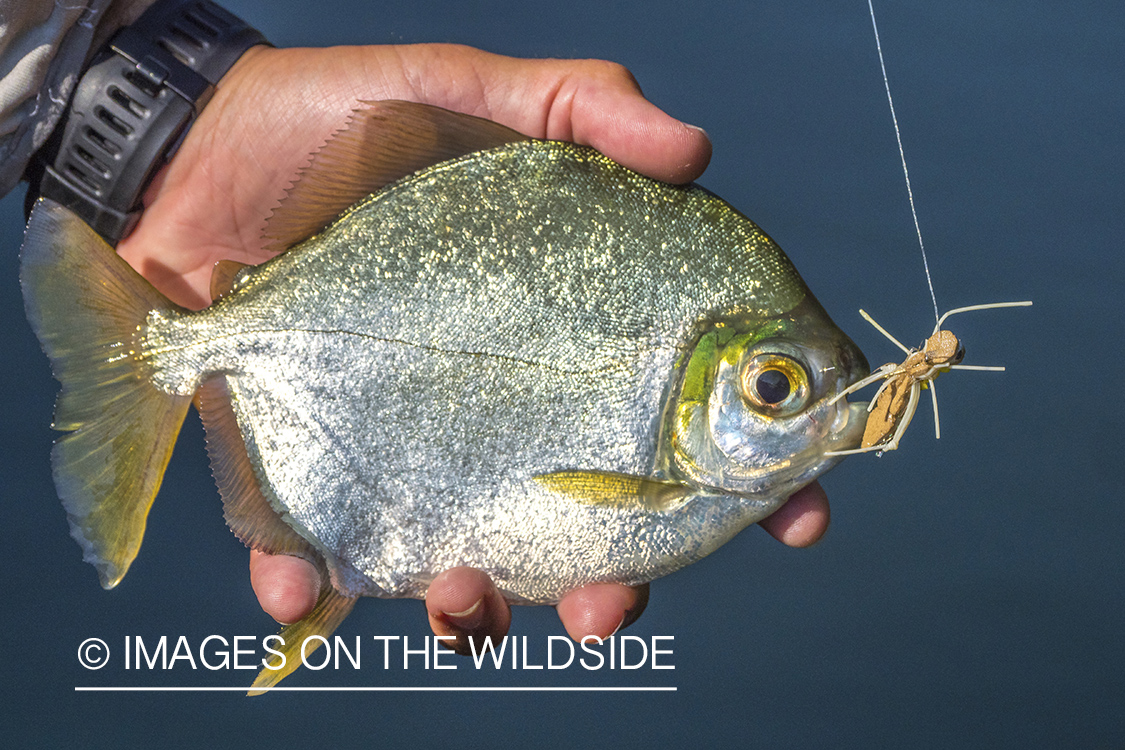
column 970, row 591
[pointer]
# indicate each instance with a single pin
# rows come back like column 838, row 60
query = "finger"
column 465, row 603
column 803, row 519
column 609, row 112
column 595, row 103
column 287, row 587
column 601, row 609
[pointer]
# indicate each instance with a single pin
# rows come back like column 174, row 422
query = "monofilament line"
column 902, row 155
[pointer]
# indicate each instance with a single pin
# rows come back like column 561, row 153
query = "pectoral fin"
column 330, row 610
column 621, row 490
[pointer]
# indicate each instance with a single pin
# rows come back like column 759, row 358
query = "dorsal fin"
column 222, row 277
column 381, row 142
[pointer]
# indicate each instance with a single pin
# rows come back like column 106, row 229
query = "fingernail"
column 639, row 604
column 469, row 618
column 620, row 624
column 696, row 127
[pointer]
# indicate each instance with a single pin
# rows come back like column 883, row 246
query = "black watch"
column 132, row 108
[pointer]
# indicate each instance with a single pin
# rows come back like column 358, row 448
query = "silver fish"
column 526, row 359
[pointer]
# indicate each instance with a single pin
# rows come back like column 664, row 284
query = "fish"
column 477, row 349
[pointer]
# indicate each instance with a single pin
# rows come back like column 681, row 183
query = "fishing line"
column 902, row 155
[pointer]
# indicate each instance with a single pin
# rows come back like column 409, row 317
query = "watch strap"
column 134, row 105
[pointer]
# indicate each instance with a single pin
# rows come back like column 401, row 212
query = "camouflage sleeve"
column 44, row 45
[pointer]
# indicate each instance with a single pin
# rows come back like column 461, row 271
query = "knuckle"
column 609, row 71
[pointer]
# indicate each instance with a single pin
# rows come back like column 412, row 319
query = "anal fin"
column 610, row 489
column 254, row 521
column 246, row 510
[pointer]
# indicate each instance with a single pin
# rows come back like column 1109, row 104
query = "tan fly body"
column 894, row 404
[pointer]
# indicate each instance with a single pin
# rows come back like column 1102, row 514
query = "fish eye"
column 775, row 385
column 772, row 386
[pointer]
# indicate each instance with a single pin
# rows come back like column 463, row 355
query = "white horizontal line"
column 79, row 689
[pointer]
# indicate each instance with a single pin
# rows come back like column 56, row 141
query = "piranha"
column 505, row 353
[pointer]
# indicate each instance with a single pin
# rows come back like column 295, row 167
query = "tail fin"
column 88, row 307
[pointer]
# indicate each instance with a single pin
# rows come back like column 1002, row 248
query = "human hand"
column 597, row 609
column 277, row 106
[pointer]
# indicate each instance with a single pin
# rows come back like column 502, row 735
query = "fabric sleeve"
column 44, row 46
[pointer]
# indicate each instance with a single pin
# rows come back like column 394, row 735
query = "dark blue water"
column 971, row 590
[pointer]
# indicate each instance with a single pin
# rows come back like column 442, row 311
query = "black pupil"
column 773, row 386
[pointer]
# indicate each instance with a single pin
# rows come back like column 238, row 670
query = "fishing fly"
column 895, row 402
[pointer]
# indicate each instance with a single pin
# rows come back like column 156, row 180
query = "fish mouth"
column 847, row 432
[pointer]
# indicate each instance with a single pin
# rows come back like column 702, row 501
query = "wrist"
column 133, row 106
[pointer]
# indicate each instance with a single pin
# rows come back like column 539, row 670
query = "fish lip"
column 847, row 433
column 851, row 416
